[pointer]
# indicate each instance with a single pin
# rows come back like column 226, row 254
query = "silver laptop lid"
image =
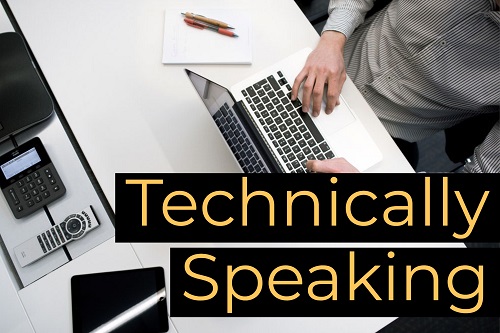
column 235, row 126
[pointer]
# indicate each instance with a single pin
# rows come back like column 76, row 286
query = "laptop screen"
column 232, row 124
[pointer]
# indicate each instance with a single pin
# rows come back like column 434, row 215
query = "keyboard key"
column 297, row 103
column 312, row 128
column 259, row 84
column 251, row 91
column 324, row 146
column 273, row 82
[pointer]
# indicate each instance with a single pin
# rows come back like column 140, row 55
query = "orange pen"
column 203, row 25
column 207, row 20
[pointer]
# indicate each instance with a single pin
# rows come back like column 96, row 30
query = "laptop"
column 267, row 132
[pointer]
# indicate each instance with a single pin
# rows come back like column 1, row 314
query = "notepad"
column 183, row 44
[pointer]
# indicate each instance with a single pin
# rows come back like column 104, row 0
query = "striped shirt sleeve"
column 346, row 15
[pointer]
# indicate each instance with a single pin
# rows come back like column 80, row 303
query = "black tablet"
column 120, row 301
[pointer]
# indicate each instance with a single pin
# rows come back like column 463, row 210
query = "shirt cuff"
column 344, row 21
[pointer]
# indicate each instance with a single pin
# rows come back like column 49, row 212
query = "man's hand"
column 335, row 165
column 324, row 67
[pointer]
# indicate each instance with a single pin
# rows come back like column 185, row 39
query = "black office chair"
column 462, row 138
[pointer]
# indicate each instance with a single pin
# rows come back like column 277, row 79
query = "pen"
column 203, row 25
column 207, row 20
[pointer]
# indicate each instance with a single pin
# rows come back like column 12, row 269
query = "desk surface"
column 131, row 113
column 102, row 61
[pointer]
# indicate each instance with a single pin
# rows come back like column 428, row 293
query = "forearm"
column 346, row 15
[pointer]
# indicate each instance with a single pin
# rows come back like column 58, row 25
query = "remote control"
column 74, row 227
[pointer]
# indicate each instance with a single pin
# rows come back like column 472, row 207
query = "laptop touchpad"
column 334, row 122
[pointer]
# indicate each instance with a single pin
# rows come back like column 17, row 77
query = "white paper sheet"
column 184, row 44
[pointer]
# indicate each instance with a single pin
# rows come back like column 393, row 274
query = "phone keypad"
column 34, row 190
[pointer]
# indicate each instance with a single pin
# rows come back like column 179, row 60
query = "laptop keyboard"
column 243, row 149
column 291, row 131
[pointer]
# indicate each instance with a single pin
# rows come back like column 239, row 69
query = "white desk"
column 131, row 113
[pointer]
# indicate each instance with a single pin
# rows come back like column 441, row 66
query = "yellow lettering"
column 230, row 289
column 332, row 282
column 408, row 208
column 409, row 276
column 364, row 280
column 289, row 201
column 478, row 291
column 205, row 209
column 144, row 183
column 272, row 282
column 471, row 221
column 187, row 268
column 246, row 198
column 166, row 208
column 349, row 212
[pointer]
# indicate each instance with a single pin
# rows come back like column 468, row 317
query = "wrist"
column 333, row 39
